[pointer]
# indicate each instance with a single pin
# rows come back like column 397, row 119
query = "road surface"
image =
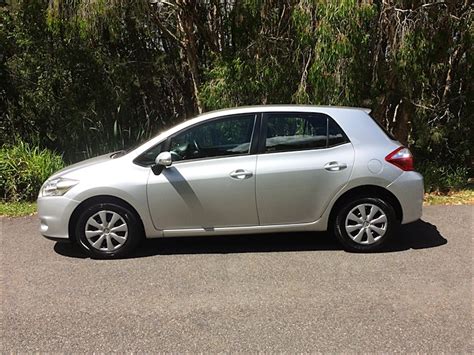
column 291, row 292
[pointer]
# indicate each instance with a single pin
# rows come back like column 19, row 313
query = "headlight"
column 57, row 187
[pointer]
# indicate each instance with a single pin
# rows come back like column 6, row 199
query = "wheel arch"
column 366, row 191
column 98, row 199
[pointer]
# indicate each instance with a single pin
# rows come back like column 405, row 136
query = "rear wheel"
column 108, row 230
column 365, row 224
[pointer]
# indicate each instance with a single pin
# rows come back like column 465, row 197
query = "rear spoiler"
column 366, row 110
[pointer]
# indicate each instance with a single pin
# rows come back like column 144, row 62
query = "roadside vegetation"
column 82, row 78
column 459, row 197
column 17, row 209
column 23, row 169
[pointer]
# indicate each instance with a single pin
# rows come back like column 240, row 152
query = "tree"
column 86, row 77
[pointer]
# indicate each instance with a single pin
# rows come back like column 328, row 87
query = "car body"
column 258, row 169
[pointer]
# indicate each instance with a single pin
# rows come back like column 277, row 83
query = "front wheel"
column 108, row 230
column 365, row 224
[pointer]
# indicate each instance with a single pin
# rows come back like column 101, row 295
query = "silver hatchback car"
column 260, row 169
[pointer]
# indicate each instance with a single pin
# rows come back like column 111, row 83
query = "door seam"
column 255, row 188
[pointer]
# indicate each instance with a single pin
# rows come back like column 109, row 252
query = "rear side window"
column 301, row 131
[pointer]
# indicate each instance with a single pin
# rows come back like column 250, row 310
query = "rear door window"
column 301, row 131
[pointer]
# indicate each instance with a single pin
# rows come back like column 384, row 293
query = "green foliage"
column 17, row 209
column 442, row 178
column 83, row 91
column 23, row 169
column 87, row 77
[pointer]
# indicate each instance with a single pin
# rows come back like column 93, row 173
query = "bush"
column 443, row 178
column 23, row 169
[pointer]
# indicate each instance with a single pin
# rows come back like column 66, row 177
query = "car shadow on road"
column 417, row 235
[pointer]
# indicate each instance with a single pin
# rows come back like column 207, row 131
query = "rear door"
column 304, row 160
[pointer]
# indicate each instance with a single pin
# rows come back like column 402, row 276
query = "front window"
column 223, row 137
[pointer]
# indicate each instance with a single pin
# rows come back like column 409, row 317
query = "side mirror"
column 163, row 160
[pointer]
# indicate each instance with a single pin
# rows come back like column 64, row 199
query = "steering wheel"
column 176, row 156
column 196, row 145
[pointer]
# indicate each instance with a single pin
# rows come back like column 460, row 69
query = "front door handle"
column 240, row 174
column 335, row 166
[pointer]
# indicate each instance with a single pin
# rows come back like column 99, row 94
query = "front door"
column 211, row 182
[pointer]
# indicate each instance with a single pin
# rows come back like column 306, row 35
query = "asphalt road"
column 292, row 292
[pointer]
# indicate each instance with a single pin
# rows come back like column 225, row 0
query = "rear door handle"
column 240, row 174
column 335, row 166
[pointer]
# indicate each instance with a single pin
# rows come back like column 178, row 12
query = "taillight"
column 402, row 158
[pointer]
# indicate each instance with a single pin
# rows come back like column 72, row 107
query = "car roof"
column 329, row 110
column 286, row 108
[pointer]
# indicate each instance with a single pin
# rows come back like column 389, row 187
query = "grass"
column 17, row 209
column 461, row 197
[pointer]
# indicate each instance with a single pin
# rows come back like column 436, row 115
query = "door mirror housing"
column 163, row 160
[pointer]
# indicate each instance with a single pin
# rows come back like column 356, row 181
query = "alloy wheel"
column 366, row 223
column 106, row 231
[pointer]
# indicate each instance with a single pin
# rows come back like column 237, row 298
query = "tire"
column 357, row 236
column 117, row 238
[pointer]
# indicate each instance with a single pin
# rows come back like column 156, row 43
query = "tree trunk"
column 186, row 24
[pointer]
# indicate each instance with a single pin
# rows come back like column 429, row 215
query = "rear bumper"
column 409, row 190
column 54, row 213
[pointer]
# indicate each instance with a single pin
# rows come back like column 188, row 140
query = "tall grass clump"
column 23, row 169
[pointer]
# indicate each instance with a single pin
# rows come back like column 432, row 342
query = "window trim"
column 346, row 137
column 264, row 130
column 254, row 138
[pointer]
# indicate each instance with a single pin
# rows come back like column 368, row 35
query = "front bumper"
column 54, row 213
column 409, row 190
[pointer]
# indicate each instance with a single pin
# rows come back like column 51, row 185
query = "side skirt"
column 189, row 232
